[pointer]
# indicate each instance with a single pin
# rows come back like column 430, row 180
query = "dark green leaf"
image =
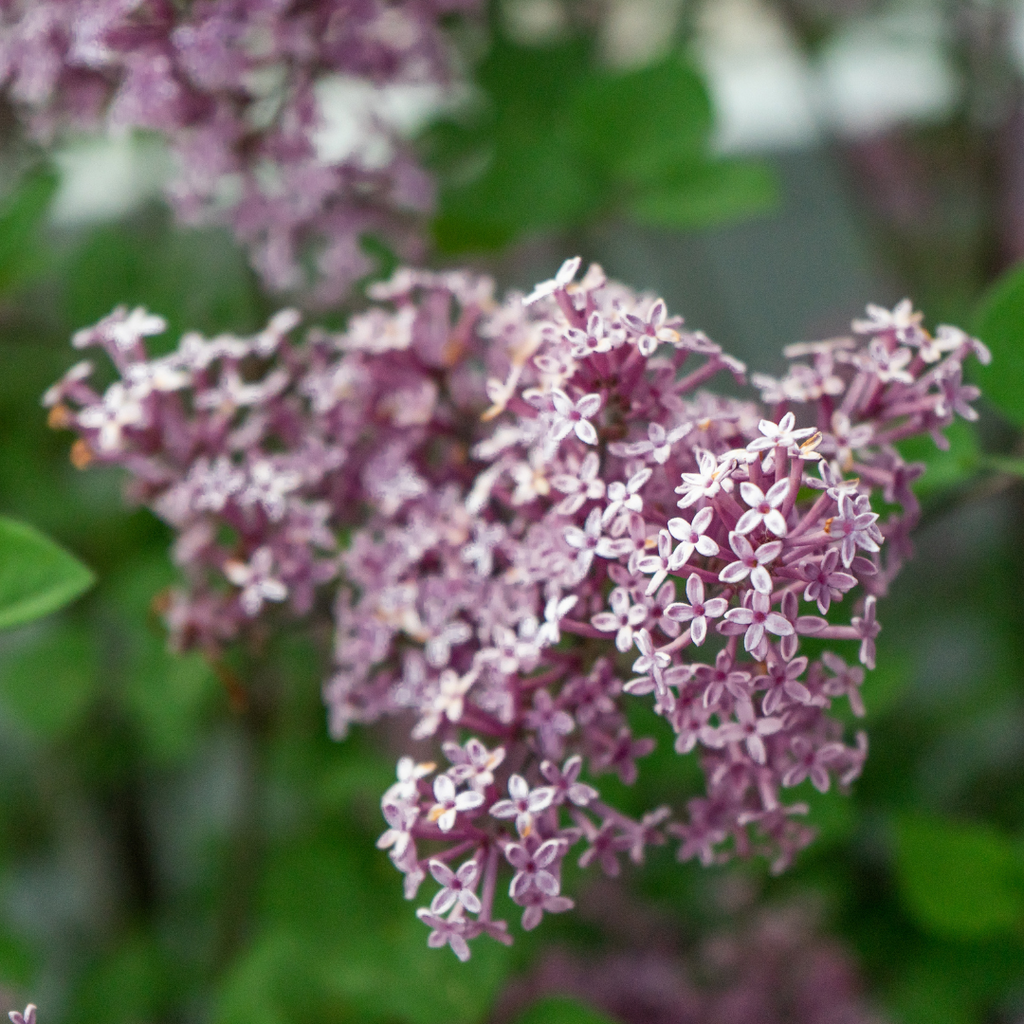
column 560, row 1010
column 556, row 141
column 1000, row 325
column 636, row 125
column 959, row 880
column 833, row 815
column 36, row 576
column 529, row 185
column 531, row 80
column 504, row 164
column 700, row 195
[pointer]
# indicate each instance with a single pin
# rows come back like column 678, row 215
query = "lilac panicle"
column 540, row 528
column 233, row 86
column 763, row 967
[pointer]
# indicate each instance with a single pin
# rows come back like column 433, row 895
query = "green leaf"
column 529, row 185
column 531, row 80
column 700, row 195
column 19, row 220
column 636, row 125
column 561, row 1010
column 1000, row 324
column 555, row 141
column 503, row 164
column 959, row 880
column 833, row 814
column 390, row 974
column 36, row 575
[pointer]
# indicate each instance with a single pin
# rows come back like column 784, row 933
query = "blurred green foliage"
column 960, row 880
column 20, row 217
column 553, row 141
column 562, row 1011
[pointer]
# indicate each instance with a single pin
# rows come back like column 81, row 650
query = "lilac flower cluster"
column 260, row 452
column 232, row 84
column 537, row 497
column 769, row 967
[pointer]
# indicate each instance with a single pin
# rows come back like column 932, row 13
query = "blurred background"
column 178, row 846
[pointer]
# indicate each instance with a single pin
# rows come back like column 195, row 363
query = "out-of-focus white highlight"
column 1016, row 34
column 358, row 117
column 886, row 71
column 636, row 32
column 760, row 83
column 105, row 178
column 873, row 74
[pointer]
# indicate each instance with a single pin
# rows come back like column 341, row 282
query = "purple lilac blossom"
column 440, row 430
column 767, row 967
column 233, row 87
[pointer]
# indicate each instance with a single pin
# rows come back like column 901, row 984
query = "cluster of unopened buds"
column 546, row 517
column 240, row 89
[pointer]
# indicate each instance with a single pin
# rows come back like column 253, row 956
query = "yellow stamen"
column 811, row 443
column 58, row 418
column 81, row 454
column 451, row 351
